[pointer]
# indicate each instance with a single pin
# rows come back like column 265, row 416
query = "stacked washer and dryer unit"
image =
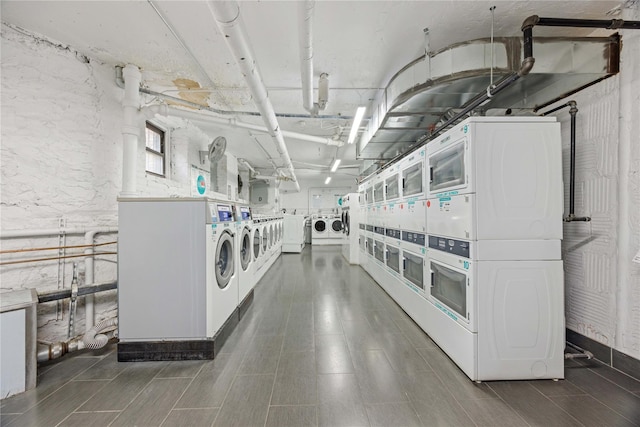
column 177, row 277
column 464, row 233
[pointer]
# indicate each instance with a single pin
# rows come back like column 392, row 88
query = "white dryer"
column 245, row 261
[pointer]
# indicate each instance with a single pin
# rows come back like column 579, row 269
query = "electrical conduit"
column 227, row 16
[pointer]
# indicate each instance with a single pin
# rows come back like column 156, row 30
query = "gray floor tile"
column 292, row 416
column 260, row 362
column 297, row 363
column 381, row 321
column 608, row 393
column 342, row 414
column 492, row 413
column 181, row 369
column 377, row 380
column 59, row 404
column 207, row 390
column 557, row 388
column 324, row 342
column 531, row 405
column 298, row 342
column 453, row 378
column 297, row 389
column 442, row 413
column 335, row 388
column 90, row 419
column 118, row 393
column 6, row 419
column 392, row 414
column 223, row 361
column 327, row 322
column 153, row 404
column 191, row 417
column 247, row 402
column 621, row 379
column 334, row 359
column 591, row 412
column 106, row 369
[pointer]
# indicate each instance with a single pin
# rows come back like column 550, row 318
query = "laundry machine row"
column 177, row 277
column 267, row 243
column 326, row 230
column 463, row 234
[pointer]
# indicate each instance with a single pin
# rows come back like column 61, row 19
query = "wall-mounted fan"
column 217, row 148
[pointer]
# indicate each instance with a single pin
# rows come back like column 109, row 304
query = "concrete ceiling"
column 360, row 44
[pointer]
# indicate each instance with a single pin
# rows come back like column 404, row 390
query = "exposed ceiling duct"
column 435, row 88
column 227, row 16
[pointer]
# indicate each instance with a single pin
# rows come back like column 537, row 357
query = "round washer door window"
column 320, row 226
column 336, row 225
column 256, row 243
column 271, row 235
column 265, row 239
column 224, row 260
column 245, row 249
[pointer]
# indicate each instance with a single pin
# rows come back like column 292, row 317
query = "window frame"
column 163, row 146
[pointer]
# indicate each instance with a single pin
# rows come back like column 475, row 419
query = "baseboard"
column 605, row 354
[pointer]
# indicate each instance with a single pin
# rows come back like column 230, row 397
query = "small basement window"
column 155, row 150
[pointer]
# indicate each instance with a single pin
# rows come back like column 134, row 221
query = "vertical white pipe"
column 227, row 16
column 130, row 131
column 305, row 35
column 88, row 279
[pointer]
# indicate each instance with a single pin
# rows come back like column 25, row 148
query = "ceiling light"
column 334, row 167
column 356, row 124
column 328, row 180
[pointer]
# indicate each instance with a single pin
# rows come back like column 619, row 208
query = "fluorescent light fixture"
column 334, row 167
column 356, row 124
column 328, row 180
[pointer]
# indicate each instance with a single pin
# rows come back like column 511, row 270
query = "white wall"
column 61, row 158
column 302, row 203
column 602, row 284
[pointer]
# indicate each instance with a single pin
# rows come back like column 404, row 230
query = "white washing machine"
column 256, row 248
column 336, row 227
column 319, row 230
column 177, row 284
column 245, row 261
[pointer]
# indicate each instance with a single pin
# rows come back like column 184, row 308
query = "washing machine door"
column 271, row 235
column 256, row 243
column 224, row 260
column 336, row 225
column 265, row 239
column 320, row 226
column 245, row 249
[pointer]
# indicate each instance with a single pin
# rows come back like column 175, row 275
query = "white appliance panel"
column 521, row 320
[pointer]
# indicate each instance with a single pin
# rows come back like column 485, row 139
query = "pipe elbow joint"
column 530, row 22
column 527, row 65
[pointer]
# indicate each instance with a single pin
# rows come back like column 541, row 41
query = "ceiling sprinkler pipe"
column 323, row 91
column 227, row 17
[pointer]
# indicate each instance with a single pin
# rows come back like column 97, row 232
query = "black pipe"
column 573, row 111
column 609, row 24
column 84, row 290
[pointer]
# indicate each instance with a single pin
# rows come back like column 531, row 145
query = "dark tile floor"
column 322, row 345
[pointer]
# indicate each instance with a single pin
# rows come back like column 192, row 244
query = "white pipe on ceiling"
column 227, row 16
column 130, row 132
column 305, row 35
column 234, row 123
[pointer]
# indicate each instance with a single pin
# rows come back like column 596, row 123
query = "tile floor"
column 322, row 345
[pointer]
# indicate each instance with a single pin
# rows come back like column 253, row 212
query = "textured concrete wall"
column 602, row 283
column 61, row 158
